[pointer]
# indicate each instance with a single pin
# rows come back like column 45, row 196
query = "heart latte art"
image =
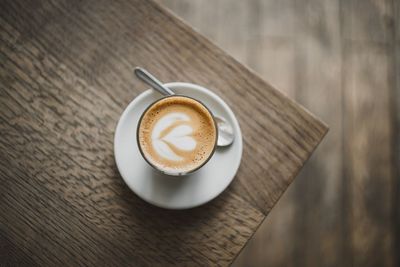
column 171, row 133
column 177, row 134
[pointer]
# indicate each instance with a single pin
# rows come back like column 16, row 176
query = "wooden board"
column 66, row 77
column 316, row 52
column 368, row 126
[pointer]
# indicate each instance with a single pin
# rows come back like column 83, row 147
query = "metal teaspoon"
column 225, row 131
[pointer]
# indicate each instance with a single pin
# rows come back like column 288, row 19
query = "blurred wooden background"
column 341, row 60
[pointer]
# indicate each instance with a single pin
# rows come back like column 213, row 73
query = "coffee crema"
column 177, row 134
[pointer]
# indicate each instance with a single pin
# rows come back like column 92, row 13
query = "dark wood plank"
column 368, row 167
column 319, row 236
column 396, row 111
column 11, row 255
column 369, row 79
column 66, row 77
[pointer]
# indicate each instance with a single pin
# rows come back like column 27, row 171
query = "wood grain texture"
column 320, row 193
column 317, row 53
column 368, row 67
column 66, row 77
column 395, row 101
column 11, row 255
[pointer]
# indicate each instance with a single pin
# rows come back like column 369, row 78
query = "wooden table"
column 66, row 77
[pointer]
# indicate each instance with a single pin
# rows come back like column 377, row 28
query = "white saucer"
column 176, row 192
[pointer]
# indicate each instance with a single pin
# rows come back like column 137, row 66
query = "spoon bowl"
column 225, row 132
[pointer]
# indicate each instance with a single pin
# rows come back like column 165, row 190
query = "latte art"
column 177, row 134
column 171, row 130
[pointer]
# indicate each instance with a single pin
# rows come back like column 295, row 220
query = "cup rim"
column 164, row 171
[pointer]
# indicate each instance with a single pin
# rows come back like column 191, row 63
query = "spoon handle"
column 145, row 76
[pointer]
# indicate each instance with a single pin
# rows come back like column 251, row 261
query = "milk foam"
column 179, row 136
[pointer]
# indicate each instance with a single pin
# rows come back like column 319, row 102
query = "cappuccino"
column 177, row 134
